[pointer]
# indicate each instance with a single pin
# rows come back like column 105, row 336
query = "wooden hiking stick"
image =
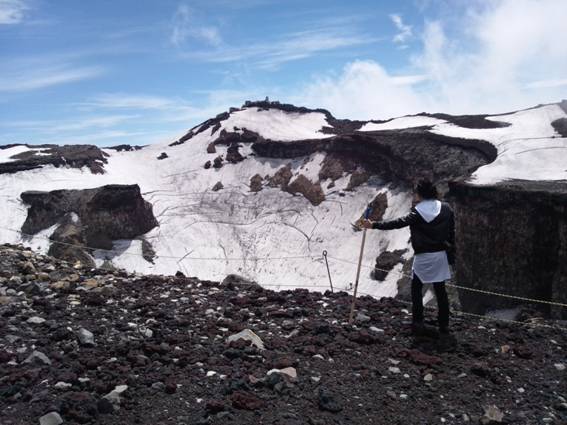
column 352, row 307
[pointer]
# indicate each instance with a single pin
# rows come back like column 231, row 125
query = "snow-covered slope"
column 528, row 149
column 272, row 236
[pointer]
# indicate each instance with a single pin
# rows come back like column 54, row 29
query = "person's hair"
column 426, row 189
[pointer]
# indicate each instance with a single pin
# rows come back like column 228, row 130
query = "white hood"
column 429, row 209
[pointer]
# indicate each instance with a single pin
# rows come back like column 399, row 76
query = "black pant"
column 442, row 302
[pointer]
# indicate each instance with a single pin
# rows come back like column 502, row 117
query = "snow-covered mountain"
column 261, row 191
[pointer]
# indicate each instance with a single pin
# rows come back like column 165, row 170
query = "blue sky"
column 138, row 71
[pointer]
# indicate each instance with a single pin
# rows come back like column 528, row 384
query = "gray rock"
column 114, row 395
column 37, row 357
column 247, row 335
column 35, row 320
column 361, row 317
column 86, row 337
column 51, row 418
column 492, row 415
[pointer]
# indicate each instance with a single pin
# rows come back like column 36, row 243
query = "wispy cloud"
column 131, row 101
column 12, row 11
column 39, row 78
column 290, row 47
column 185, row 26
column 405, row 32
column 78, row 123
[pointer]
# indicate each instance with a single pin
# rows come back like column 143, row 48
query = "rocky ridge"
column 87, row 345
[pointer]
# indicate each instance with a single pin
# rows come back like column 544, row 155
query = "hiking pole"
column 351, row 316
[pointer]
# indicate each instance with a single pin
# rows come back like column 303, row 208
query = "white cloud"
column 51, row 75
column 404, row 31
column 547, row 83
column 364, row 90
column 500, row 56
column 12, row 11
column 184, row 26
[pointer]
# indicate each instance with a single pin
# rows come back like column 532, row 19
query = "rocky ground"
column 94, row 346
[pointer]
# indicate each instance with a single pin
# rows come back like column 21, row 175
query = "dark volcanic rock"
column 161, row 355
column 512, row 239
column 125, row 148
column 232, row 154
column 217, row 163
column 468, row 121
column 256, row 183
column 312, row 191
column 560, row 125
column 162, row 155
column 281, row 178
column 218, row 186
column 76, row 156
column 386, row 262
column 107, row 213
column 396, row 155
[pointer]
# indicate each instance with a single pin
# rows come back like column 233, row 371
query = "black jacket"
column 437, row 235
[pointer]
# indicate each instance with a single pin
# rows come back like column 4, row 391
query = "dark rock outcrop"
column 281, row 178
column 125, row 148
column 75, row 156
column 162, row 155
column 560, row 125
column 385, row 262
column 232, row 154
column 103, row 214
column 312, row 191
column 256, row 183
column 218, row 186
column 512, row 239
column 396, row 155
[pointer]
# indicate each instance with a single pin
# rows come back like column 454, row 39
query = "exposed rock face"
column 256, row 183
column 232, row 154
column 103, row 214
column 469, row 121
column 281, row 178
column 125, row 148
column 401, row 155
column 162, row 155
column 75, row 156
column 312, row 191
column 218, row 162
column 334, row 166
column 512, row 239
column 211, row 148
column 560, row 126
column 385, row 262
column 357, row 178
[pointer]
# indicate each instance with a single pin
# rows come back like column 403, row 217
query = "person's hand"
column 365, row 224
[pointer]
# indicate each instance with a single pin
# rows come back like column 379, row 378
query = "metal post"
column 328, row 271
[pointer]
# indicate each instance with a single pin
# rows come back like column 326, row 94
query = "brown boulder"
column 312, row 191
column 256, row 183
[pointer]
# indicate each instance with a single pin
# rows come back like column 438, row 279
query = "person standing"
column 432, row 229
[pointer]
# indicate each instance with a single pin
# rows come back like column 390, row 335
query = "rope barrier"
column 292, row 257
column 465, row 288
column 295, row 257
